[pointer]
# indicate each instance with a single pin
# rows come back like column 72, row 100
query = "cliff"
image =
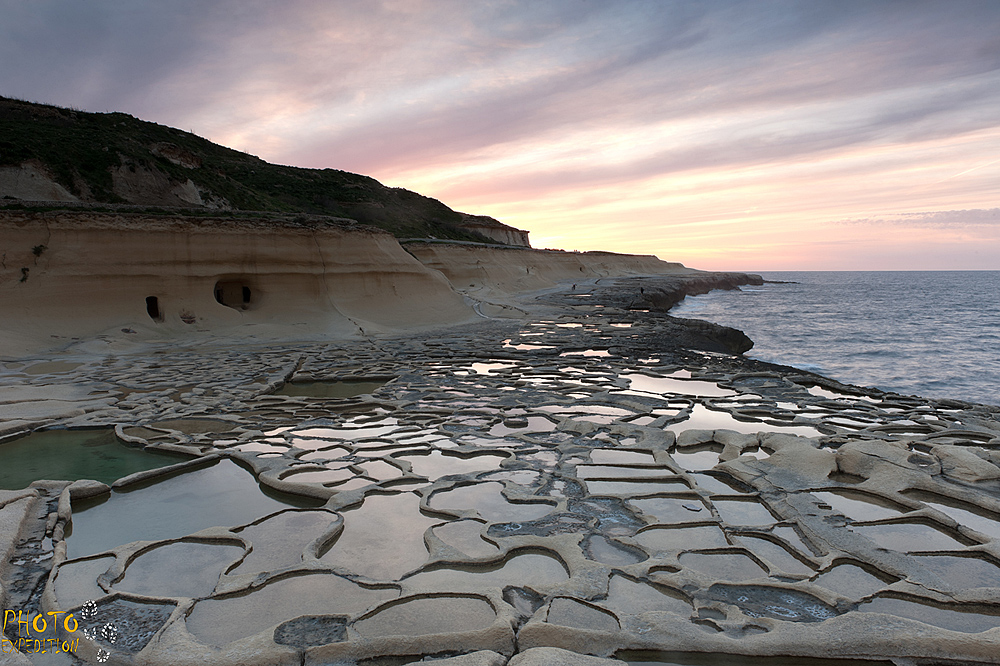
column 51, row 154
column 71, row 275
column 513, row 270
column 494, row 229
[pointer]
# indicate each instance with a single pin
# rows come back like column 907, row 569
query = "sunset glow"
column 726, row 135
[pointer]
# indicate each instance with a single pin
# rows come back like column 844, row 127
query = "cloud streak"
column 939, row 219
column 616, row 119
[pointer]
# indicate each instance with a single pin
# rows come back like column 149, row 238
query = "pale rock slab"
column 481, row 658
column 550, row 656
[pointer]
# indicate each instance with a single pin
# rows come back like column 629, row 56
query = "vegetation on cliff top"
column 81, row 151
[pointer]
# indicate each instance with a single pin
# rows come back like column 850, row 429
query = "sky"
column 741, row 135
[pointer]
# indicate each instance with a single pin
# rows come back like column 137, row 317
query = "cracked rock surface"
column 578, row 479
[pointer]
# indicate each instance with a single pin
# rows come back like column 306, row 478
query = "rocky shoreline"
column 571, row 471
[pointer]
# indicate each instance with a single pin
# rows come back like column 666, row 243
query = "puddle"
column 280, row 540
column 643, row 658
column 585, row 409
column 486, row 498
column 531, row 569
column 723, row 566
column 332, row 453
column 522, row 477
column 333, row 389
column 743, row 512
column 349, row 432
column 525, row 347
column 666, row 539
column 435, row 615
column 696, row 461
column 486, row 368
column 76, row 582
column 593, row 353
column 261, row 447
column 383, row 539
column 586, row 472
column 792, row 536
column 719, row 484
column 774, row 554
column 465, row 536
column 859, row 506
column 850, row 581
column 661, row 385
column 195, row 426
column 702, row 418
column 326, row 476
column 939, row 616
column 532, row 424
column 964, row 514
column 629, row 488
column 51, row 368
column 437, row 464
column 619, row 457
column 182, row 569
column 223, row 494
column 221, row 621
column 74, row 454
column 908, row 537
column 833, row 395
column 630, row 597
column 610, row 552
column 774, row 603
column 380, row 470
column 849, row 423
column 567, row 612
column 669, row 510
column 962, row 572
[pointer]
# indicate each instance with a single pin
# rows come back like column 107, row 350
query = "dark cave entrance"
column 153, row 308
column 233, row 294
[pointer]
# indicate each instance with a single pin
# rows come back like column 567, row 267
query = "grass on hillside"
column 81, row 149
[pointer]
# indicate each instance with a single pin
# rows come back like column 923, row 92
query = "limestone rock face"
column 136, row 277
column 492, row 228
column 513, row 270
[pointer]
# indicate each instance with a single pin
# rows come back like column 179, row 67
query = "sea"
column 934, row 334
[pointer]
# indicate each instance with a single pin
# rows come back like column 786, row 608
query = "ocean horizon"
column 935, row 334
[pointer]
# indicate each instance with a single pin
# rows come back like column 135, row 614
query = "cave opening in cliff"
column 233, row 294
column 153, row 308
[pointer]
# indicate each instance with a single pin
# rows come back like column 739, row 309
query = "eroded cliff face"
column 493, row 228
column 73, row 275
column 513, row 270
column 31, row 181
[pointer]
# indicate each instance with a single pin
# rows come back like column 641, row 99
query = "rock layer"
column 73, row 275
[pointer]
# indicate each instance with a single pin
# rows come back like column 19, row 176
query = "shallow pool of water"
column 859, row 506
column 336, row 389
column 74, row 454
column 702, row 418
column 717, row 659
column 527, row 569
column 661, row 385
column 223, row 494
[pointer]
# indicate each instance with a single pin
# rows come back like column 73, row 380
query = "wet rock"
column 85, row 488
column 480, row 658
column 550, row 656
column 312, row 630
column 776, row 603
